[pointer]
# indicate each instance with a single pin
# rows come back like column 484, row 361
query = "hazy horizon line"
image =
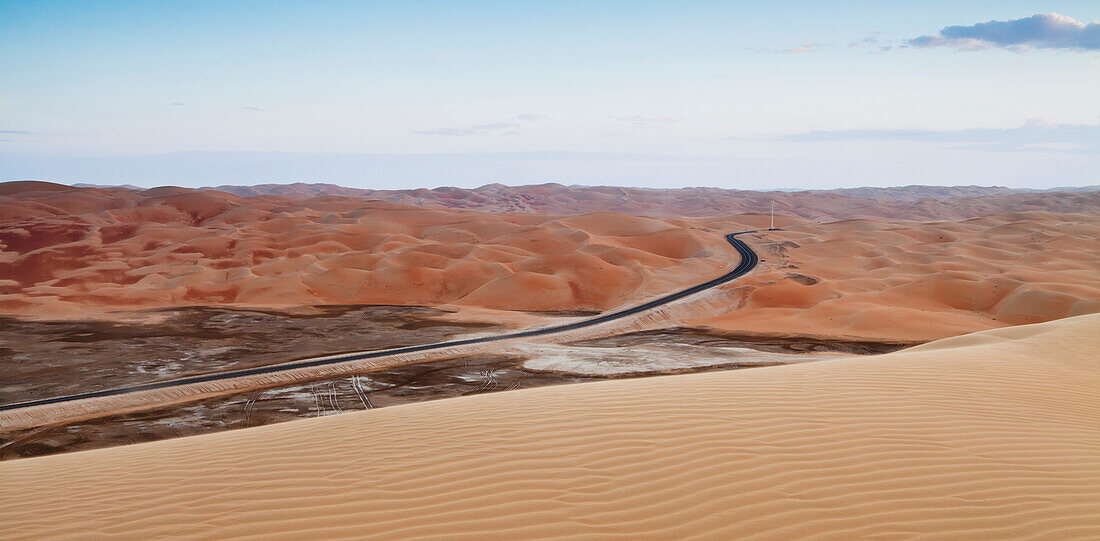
column 1090, row 187
column 202, row 168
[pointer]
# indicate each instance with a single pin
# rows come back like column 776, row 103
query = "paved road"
column 748, row 261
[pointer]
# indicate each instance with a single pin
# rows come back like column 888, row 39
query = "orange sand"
column 994, row 435
column 918, row 281
column 70, row 252
column 65, row 251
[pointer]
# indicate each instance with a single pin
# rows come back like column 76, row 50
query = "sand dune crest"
column 992, row 435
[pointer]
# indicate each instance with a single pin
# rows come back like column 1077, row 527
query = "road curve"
column 749, row 260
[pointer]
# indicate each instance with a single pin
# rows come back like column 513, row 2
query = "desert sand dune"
column 992, row 435
column 919, row 281
column 71, row 251
column 68, row 250
column 897, row 203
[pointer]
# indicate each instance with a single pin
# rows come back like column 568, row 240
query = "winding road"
column 749, row 260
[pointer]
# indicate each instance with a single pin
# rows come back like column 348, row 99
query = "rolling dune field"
column 66, row 251
column 71, row 253
column 917, row 281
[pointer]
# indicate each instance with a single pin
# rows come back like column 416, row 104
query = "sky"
column 751, row 95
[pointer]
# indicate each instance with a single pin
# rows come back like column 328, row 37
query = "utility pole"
column 773, row 216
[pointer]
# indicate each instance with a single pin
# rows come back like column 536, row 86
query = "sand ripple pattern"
column 994, row 435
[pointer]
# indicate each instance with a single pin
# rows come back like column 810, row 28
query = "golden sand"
column 992, row 435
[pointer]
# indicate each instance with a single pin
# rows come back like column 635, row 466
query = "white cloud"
column 805, row 47
column 871, row 43
column 476, row 129
column 639, row 120
column 1044, row 30
column 1035, row 134
column 507, row 128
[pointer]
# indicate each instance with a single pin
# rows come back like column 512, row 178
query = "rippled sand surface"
column 991, row 435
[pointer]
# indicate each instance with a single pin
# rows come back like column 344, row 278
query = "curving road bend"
column 749, row 260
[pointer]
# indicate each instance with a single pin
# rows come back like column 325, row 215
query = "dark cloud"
column 1034, row 134
column 476, row 129
column 1044, row 30
column 254, row 109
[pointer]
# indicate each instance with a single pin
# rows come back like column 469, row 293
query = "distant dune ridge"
column 66, row 251
column 903, row 193
column 993, row 435
column 933, row 202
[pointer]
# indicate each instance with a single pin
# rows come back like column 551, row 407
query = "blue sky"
column 403, row 94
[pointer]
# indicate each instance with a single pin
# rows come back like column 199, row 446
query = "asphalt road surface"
column 749, row 260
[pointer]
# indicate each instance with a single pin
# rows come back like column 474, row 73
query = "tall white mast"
column 773, row 215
